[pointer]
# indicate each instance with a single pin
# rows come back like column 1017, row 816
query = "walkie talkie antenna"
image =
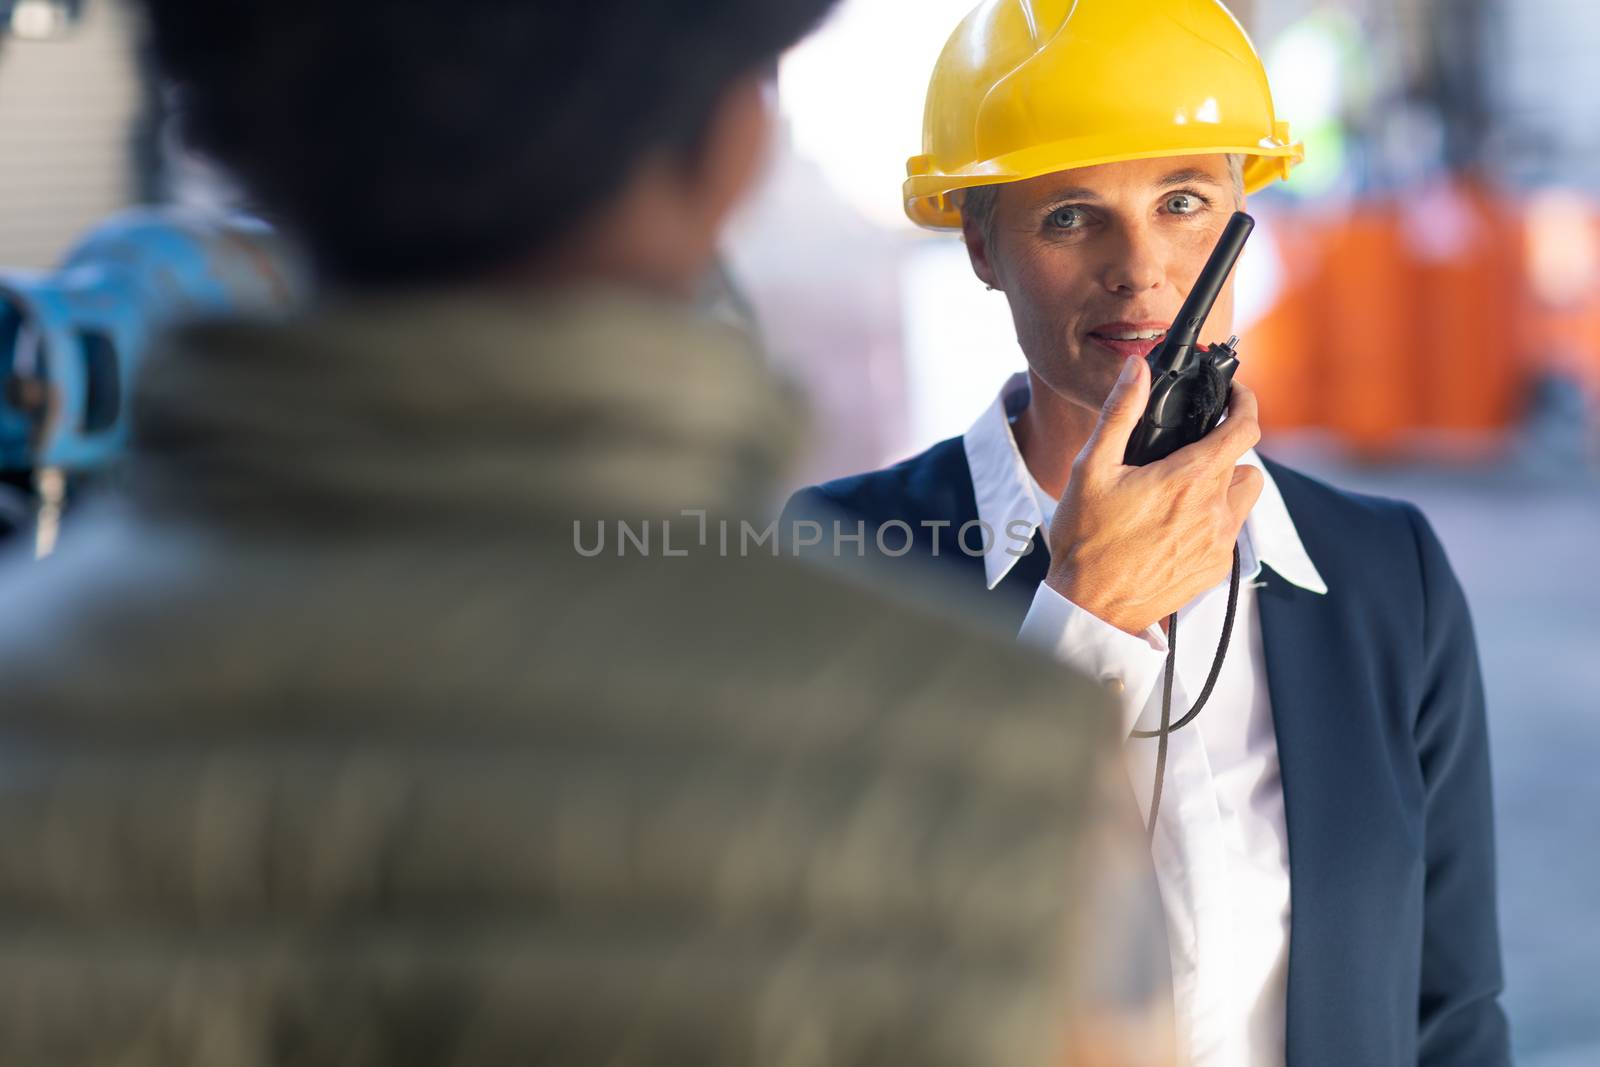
column 1185, row 332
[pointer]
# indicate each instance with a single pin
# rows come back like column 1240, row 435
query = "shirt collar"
column 1000, row 479
column 1004, row 492
column 1271, row 535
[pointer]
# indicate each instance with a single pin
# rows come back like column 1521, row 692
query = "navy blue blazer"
column 1377, row 703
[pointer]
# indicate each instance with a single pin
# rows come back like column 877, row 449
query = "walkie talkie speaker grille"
column 1211, row 394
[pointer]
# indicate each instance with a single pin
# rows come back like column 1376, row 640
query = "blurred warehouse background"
column 1420, row 311
column 1424, row 287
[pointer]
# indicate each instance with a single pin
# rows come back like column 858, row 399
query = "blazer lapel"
column 1307, row 655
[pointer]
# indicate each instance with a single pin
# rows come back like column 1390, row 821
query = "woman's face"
column 1096, row 262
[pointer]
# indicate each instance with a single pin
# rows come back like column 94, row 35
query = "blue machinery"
column 72, row 341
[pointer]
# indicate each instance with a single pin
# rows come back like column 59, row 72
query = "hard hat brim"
column 927, row 193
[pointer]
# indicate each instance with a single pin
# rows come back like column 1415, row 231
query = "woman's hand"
column 1132, row 545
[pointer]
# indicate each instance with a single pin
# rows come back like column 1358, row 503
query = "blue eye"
column 1065, row 218
column 1184, row 204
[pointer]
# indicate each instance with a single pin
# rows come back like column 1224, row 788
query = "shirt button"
column 1114, row 686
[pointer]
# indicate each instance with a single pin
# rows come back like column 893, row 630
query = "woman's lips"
column 1125, row 338
column 1124, row 349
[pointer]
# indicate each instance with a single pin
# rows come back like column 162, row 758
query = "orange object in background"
column 1468, row 300
column 1423, row 320
column 1277, row 361
column 1561, row 329
column 1365, row 343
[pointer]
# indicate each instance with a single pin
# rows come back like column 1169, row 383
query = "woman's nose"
column 1135, row 263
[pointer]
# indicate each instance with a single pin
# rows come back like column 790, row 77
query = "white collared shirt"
column 1221, row 847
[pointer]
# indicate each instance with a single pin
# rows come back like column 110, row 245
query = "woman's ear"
column 979, row 251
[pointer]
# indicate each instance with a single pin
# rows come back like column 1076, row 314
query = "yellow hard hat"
column 1031, row 87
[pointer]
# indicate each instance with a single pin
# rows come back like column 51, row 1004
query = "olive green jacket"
column 327, row 745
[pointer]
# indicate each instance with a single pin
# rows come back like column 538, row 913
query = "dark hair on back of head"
column 405, row 140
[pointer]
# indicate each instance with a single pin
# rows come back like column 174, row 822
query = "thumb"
column 1120, row 413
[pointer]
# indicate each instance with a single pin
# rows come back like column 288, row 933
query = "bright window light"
column 853, row 94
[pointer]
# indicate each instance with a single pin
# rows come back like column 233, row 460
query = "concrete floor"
column 1526, row 545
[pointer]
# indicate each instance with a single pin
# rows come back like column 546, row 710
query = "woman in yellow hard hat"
column 1325, row 851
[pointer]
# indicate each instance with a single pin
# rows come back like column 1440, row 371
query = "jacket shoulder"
column 935, row 483
column 1383, row 551
column 1338, row 524
column 1304, row 492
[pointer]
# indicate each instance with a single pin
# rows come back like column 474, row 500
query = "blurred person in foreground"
column 1325, row 849
column 334, row 745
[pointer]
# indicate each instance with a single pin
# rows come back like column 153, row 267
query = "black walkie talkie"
column 1189, row 389
column 1189, row 386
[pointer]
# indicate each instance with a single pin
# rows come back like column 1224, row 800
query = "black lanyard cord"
column 1167, row 730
